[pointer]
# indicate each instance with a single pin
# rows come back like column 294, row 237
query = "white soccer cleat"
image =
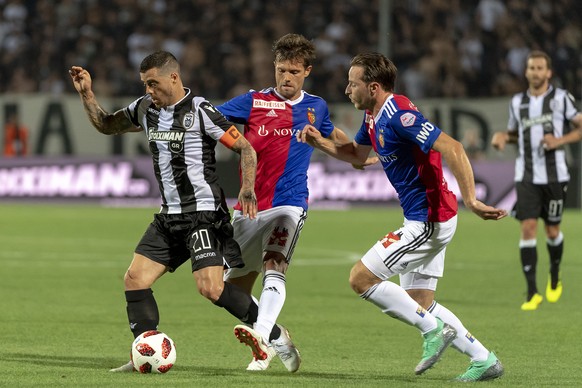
column 286, row 350
column 257, row 365
column 251, row 338
column 124, row 368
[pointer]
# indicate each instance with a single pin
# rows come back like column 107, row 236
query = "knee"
column 552, row 232
column 133, row 280
column 356, row 282
column 529, row 229
column 275, row 261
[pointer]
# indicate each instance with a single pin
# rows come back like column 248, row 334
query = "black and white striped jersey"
column 532, row 117
column 182, row 138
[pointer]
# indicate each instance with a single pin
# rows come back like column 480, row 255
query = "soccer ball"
column 153, row 352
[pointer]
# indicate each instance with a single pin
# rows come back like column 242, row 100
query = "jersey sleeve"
column 131, row 111
column 570, row 110
column 362, row 136
column 326, row 127
column 414, row 127
column 237, row 109
column 215, row 125
column 512, row 121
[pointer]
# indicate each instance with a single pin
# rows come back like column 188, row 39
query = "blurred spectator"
column 443, row 48
column 15, row 136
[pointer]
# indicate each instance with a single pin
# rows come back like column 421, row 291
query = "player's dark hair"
column 295, row 48
column 377, row 68
column 540, row 54
column 160, row 60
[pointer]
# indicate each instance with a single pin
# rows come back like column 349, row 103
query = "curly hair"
column 295, row 48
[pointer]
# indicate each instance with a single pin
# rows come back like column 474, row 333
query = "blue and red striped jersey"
column 402, row 138
column 270, row 125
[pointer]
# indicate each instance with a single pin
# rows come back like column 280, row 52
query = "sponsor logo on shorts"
column 204, row 255
column 279, row 237
column 390, row 238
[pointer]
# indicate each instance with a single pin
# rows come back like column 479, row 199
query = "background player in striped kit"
column 410, row 150
column 194, row 222
column 538, row 123
column 271, row 118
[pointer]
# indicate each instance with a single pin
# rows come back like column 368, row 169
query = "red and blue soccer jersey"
column 403, row 139
column 270, row 125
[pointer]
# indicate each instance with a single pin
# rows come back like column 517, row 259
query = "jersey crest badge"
column 407, row 119
column 381, row 140
column 188, row 120
column 311, row 115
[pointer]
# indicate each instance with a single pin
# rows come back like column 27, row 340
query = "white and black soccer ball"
column 153, row 352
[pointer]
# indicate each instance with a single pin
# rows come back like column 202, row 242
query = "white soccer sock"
column 464, row 342
column 271, row 302
column 394, row 301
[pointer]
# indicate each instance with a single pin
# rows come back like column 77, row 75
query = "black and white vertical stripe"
column 184, row 164
column 532, row 117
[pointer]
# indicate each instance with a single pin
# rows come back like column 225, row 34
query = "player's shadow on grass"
column 54, row 360
column 324, row 378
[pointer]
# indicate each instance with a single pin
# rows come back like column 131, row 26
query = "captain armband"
column 230, row 137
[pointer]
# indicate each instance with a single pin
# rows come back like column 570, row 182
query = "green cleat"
column 482, row 370
column 435, row 343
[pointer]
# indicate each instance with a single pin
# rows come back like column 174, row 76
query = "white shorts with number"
column 276, row 229
column 416, row 252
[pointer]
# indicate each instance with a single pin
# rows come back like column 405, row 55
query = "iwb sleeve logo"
column 407, row 119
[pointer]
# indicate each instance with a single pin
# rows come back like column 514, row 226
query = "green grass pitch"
column 63, row 316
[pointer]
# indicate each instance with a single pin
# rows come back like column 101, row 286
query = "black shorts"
column 540, row 201
column 205, row 237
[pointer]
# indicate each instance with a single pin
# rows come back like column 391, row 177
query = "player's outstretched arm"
column 340, row 138
column 106, row 123
column 350, row 152
column 500, row 139
column 248, row 164
column 454, row 155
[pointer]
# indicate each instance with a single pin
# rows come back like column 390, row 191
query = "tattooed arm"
column 106, row 123
column 248, row 165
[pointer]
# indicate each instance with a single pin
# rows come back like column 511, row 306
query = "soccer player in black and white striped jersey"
column 538, row 124
column 194, row 221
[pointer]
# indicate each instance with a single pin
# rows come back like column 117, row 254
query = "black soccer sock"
column 142, row 311
column 555, row 251
column 529, row 260
column 242, row 306
column 238, row 303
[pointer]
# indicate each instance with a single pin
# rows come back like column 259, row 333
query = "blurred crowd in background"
column 442, row 48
